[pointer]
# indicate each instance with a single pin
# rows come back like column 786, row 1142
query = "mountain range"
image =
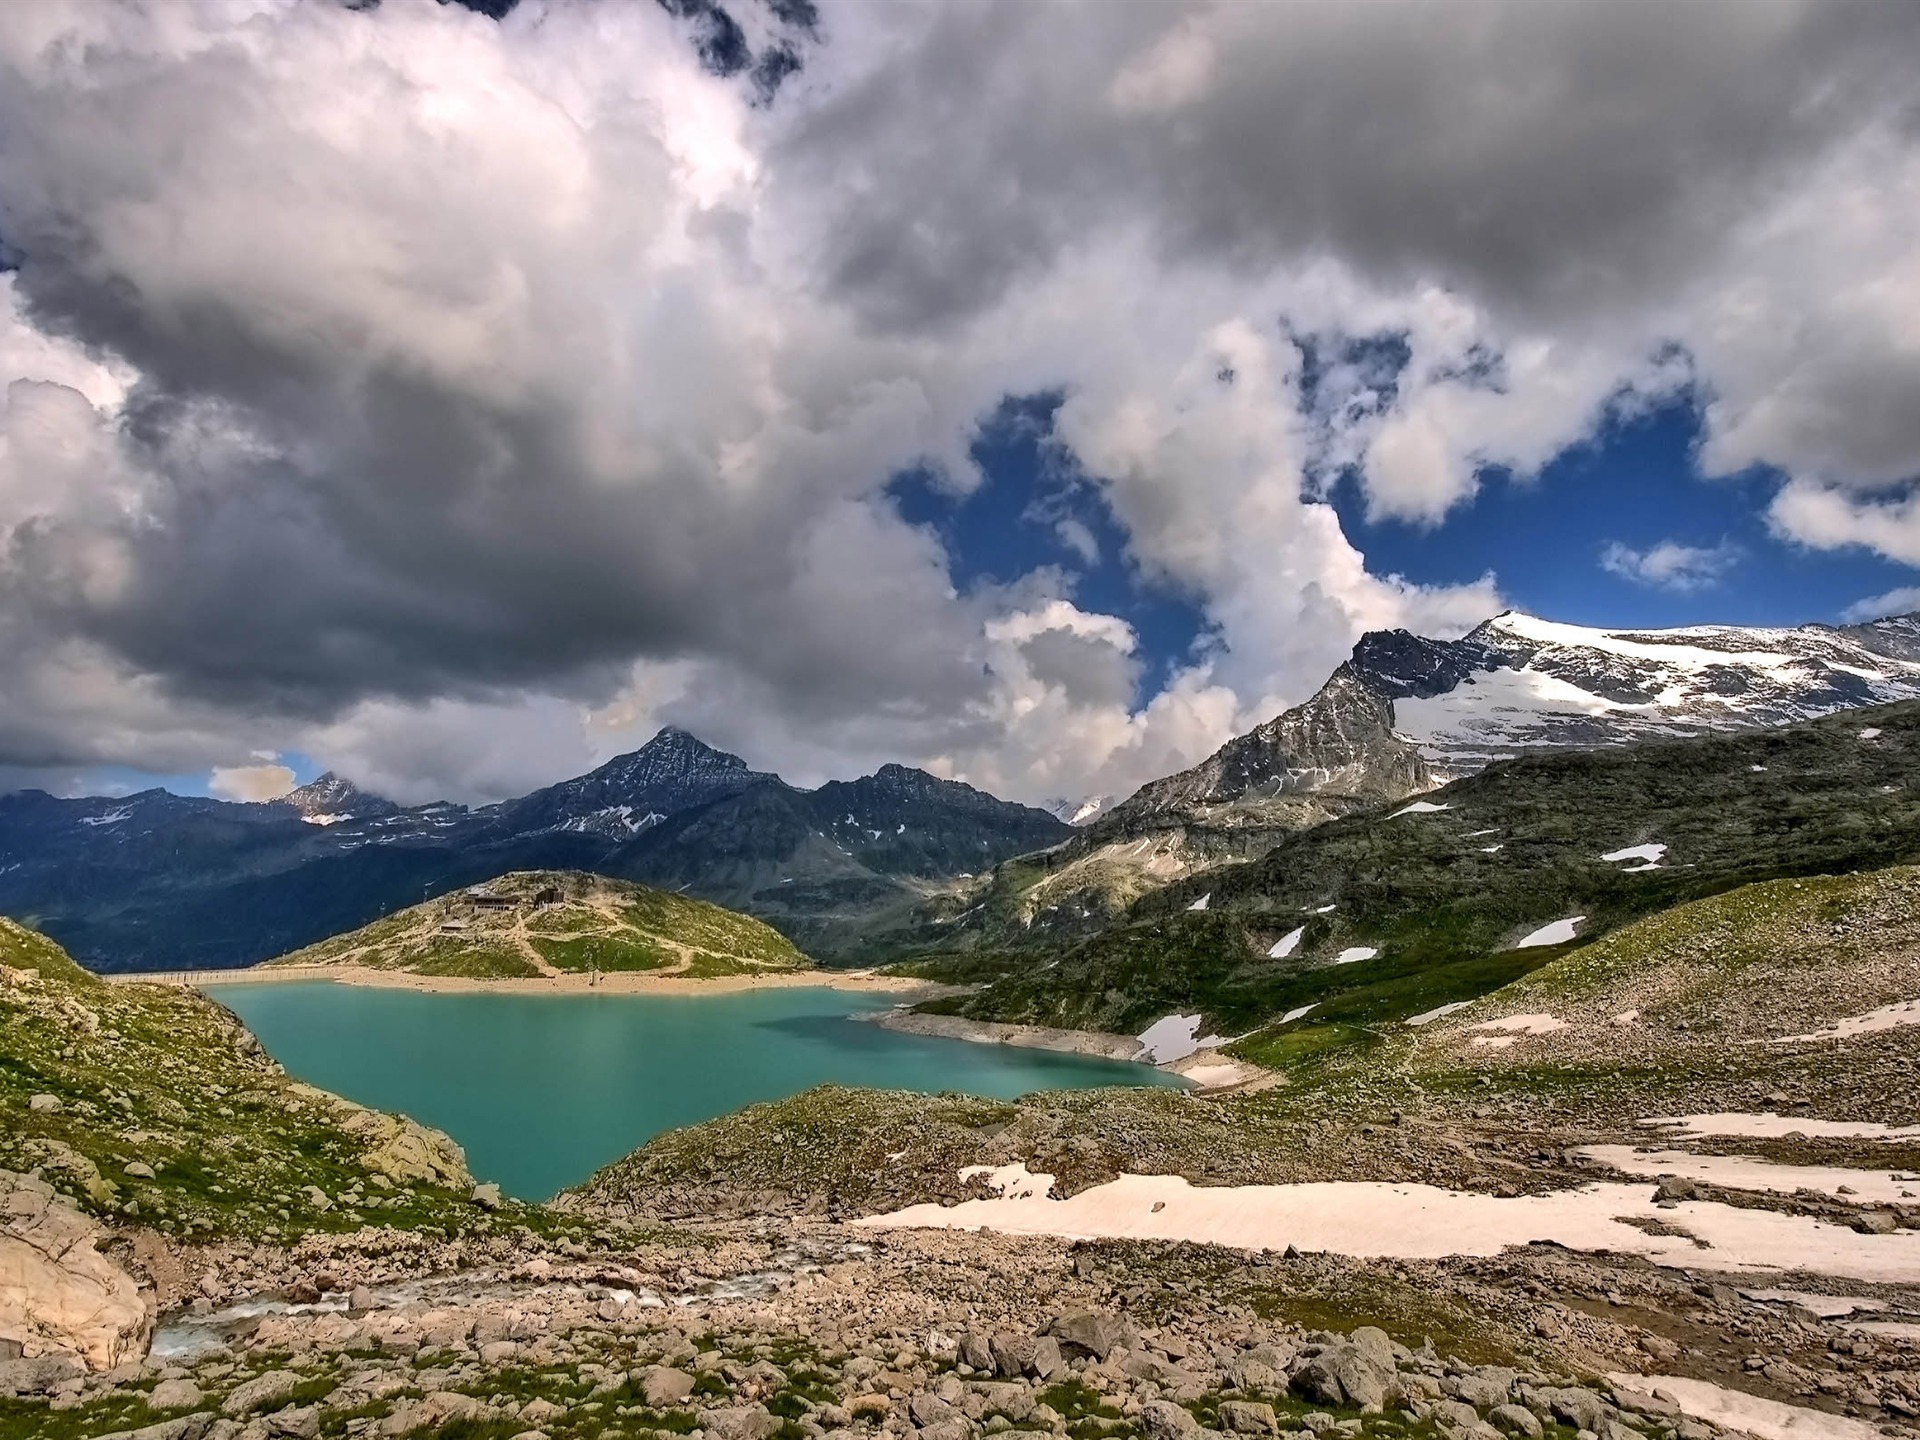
column 162, row 881
column 1405, row 714
column 900, row 859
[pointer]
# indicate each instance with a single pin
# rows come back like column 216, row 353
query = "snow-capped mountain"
column 1521, row 683
column 1079, row 812
column 334, row 799
column 1407, row 712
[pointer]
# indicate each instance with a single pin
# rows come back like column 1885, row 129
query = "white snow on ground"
column 1887, row 1017
column 1325, row 910
column 1558, row 933
column 1649, row 853
column 1872, row 732
column 1491, row 849
column 1428, row 1016
column 1174, row 1037
column 328, row 819
column 1476, row 834
column 1286, row 944
column 1419, row 807
column 1012, row 1182
column 1366, row 1218
column 1745, row 1172
column 1827, row 1307
column 1769, row 1126
column 1737, row 1410
column 1355, row 953
column 1297, row 1012
column 1202, row 902
column 1536, row 1024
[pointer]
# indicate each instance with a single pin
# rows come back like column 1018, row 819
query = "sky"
column 450, row 395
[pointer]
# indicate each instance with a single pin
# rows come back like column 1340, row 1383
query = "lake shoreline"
column 615, row 982
column 1205, row 1069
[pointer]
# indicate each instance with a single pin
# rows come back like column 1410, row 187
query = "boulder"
column 1248, row 1417
column 1342, row 1374
column 662, row 1385
column 1164, row 1420
column 1012, row 1354
column 260, row 1392
column 38, row 1374
column 1516, row 1420
column 741, row 1422
column 1094, row 1333
column 179, row 1394
column 58, row 1294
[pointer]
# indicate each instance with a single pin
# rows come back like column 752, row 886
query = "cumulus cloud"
column 1669, row 565
column 267, row 780
column 455, row 401
column 1902, row 600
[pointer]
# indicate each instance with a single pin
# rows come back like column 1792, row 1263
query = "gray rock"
column 487, row 1196
column 1164, row 1420
column 184, row 1427
column 1517, row 1420
column 1012, row 1354
column 45, row 1104
column 38, row 1375
column 295, row 1423
column 1343, row 1374
column 174, row 1395
column 260, row 1392
column 954, row 1427
column 138, row 1170
column 1248, row 1417
column 1094, row 1333
column 927, row 1408
column 741, row 1422
column 662, row 1385
column 976, row 1352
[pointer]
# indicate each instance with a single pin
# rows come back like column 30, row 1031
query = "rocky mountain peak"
column 334, row 794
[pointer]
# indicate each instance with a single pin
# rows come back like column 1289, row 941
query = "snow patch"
column 1286, row 944
column 1887, row 1017
column 325, row 819
column 1202, row 902
column 1737, row 1410
column 1536, row 1024
column 1872, row 732
column 1769, row 1126
column 1650, row 852
column 1010, row 1182
column 1368, row 1219
column 1419, row 807
column 1353, row 954
column 1557, row 933
column 1427, row 1017
column 1173, row 1038
column 1297, row 1012
column 1745, row 1172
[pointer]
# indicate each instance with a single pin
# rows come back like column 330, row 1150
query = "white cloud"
column 1669, row 565
column 456, row 401
column 250, row 782
column 1903, row 600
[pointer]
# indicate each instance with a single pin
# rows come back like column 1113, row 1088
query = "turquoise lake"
column 542, row 1090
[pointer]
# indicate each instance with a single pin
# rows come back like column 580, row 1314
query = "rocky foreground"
column 802, row 1329
column 193, row 1246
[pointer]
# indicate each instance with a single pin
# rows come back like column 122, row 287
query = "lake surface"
column 542, row 1090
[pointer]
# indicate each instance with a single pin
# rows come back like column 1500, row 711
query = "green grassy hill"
column 550, row 922
column 152, row 1106
column 1443, row 895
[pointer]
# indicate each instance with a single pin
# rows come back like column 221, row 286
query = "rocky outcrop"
column 403, row 1150
column 59, row 1296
